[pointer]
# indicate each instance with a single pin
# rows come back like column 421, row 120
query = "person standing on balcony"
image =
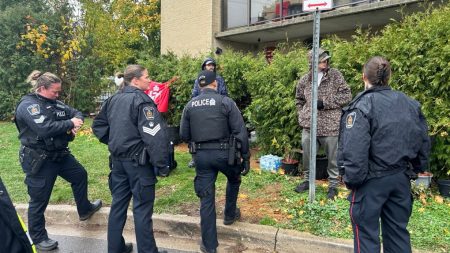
column 333, row 94
column 383, row 142
column 209, row 64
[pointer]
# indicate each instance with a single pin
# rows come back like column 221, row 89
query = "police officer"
column 209, row 64
column 208, row 122
column 46, row 126
column 12, row 229
column 382, row 132
column 129, row 122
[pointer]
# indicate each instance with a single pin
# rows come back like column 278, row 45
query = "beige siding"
column 187, row 25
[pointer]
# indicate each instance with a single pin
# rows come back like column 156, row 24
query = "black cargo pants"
column 208, row 164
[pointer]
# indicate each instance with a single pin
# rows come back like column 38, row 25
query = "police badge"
column 34, row 109
column 148, row 112
column 350, row 120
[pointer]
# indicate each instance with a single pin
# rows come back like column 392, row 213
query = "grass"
column 265, row 198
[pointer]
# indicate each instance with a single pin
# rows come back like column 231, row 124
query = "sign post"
column 316, row 6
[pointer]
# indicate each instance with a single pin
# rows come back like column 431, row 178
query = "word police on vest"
column 206, row 77
column 202, row 102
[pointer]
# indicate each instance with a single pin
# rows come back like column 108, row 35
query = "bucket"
column 291, row 167
column 423, row 180
column 444, row 187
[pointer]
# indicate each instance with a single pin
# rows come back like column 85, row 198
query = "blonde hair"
column 37, row 79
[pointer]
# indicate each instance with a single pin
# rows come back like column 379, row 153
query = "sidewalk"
column 180, row 232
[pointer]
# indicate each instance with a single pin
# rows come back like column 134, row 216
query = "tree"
column 15, row 63
column 122, row 29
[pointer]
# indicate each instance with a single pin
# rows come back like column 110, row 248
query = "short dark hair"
column 378, row 71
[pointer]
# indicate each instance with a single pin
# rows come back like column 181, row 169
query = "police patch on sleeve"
column 40, row 119
column 350, row 120
column 34, row 109
column 151, row 131
column 148, row 112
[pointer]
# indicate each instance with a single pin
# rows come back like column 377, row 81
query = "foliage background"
column 44, row 35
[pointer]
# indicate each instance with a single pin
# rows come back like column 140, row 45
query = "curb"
column 265, row 237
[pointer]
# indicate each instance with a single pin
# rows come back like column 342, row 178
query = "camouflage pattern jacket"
column 335, row 94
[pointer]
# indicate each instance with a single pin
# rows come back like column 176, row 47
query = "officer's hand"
column 320, row 105
column 75, row 130
column 77, row 123
column 245, row 167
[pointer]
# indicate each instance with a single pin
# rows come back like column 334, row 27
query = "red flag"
column 160, row 93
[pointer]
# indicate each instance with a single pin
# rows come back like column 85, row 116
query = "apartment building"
column 198, row 26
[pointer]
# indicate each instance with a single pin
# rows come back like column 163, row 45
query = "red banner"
column 160, row 93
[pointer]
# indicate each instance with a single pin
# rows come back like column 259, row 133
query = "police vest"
column 208, row 121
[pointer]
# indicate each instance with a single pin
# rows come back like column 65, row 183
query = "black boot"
column 231, row 220
column 302, row 187
column 128, row 247
column 332, row 193
column 47, row 245
column 94, row 208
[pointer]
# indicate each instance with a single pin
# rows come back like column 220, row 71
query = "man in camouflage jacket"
column 333, row 94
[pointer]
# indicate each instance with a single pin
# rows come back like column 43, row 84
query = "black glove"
column 341, row 170
column 245, row 167
column 320, row 105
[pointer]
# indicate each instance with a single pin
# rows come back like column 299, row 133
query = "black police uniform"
column 382, row 132
column 131, row 125
column 208, row 120
column 14, row 237
column 45, row 131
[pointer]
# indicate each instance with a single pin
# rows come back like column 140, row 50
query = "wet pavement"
column 75, row 244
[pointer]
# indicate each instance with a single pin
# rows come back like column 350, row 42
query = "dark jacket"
column 128, row 122
column 9, row 221
column 44, row 123
column 221, row 85
column 382, row 132
column 211, row 117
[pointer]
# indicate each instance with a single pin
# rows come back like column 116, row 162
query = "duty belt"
column 49, row 155
column 212, row 145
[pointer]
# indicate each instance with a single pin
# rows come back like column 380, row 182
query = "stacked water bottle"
column 270, row 163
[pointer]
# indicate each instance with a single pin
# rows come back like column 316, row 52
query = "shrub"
column 419, row 51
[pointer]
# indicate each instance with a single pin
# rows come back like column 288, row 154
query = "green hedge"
column 418, row 49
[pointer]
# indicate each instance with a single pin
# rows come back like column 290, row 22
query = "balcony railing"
column 239, row 13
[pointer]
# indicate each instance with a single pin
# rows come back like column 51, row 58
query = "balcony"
column 256, row 21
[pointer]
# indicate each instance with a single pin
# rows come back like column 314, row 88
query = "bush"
column 272, row 88
column 418, row 49
column 419, row 52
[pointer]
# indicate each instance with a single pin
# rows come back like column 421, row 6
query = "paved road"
column 75, row 244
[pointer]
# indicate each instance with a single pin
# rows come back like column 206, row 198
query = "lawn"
column 265, row 198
